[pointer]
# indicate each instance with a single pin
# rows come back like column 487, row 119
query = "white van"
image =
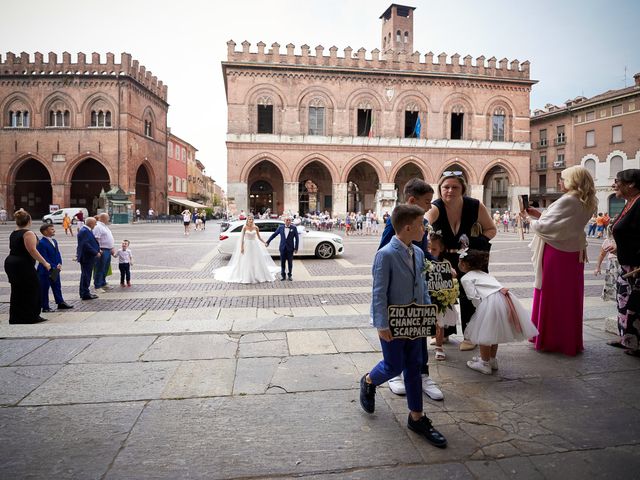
column 58, row 215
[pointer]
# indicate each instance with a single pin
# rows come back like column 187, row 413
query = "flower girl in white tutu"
column 499, row 316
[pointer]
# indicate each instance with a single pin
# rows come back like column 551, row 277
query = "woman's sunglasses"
column 454, row 173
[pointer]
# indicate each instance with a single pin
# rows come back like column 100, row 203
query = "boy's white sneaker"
column 493, row 362
column 431, row 389
column 480, row 365
column 396, row 385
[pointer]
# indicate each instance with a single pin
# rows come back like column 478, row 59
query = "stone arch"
column 403, row 173
column 61, row 96
column 457, row 103
column 19, row 101
column 315, row 187
column 73, row 164
column 427, row 174
column 512, row 172
column 149, row 119
column 31, row 188
column 469, row 173
column 495, row 104
column 406, row 99
column 496, row 180
column 616, row 153
column 590, row 162
column 265, row 187
column 363, row 183
column 253, row 161
column 374, row 162
column 364, row 97
column 315, row 96
column 335, row 176
column 144, row 185
column 17, row 163
column 88, row 178
column 259, row 95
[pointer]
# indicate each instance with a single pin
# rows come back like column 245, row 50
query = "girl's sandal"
column 440, row 355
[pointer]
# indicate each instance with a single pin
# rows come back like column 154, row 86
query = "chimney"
column 636, row 77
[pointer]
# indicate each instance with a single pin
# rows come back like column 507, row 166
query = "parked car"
column 321, row 244
column 58, row 215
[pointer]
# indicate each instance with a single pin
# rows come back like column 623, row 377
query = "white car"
column 58, row 215
column 320, row 244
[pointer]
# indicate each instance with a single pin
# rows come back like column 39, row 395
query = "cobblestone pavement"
column 181, row 376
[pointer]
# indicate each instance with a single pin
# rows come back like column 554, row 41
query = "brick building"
column 310, row 131
column 69, row 130
column 601, row 133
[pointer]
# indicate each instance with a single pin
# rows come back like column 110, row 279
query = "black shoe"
column 46, row 310
column 37, row 320
column 423, row 427
column 64, row 306
column 91, row 296
column 283, row 278
column 289, row 278
column 367, row 395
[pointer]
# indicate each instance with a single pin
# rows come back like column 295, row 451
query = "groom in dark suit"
column 87, row 252
column 288, row 245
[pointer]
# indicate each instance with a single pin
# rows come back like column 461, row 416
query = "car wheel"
column 48, row 220
column 325, row 250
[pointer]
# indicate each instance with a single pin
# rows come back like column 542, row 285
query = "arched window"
column 406, row 37
column 316, row 117
column 497, row 125
column 58, row 118
column 457, row 122
column 399, row 36
column 100, row 118
column 148, row 128
column 590, row 164
column 19, row 118
column 265, row 115
column 412, row 121
column 615, row 166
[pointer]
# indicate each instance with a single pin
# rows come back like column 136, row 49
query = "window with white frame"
column 615, row 166
column 170, row 183
column 58, row 118
column 616, row 134
column 590, row 140
column 184, row 154
column 590, row 164
column 497, row 125
column 316, row 120
column 19, row 118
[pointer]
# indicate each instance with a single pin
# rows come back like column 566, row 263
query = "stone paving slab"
column 277, row 441
column 449, row 471
column 63, row 442
column 254, row 375
column 95, row 383
column 12, row 350
column 56, row 351
column 115, row 350
column 288, row 323
column 17, row 382
column 259, row 345
column 191, row 347
column 201, row 378
column 350, row 340
column 315, row 373
column 310, row 342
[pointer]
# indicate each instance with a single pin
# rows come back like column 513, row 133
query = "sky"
column 576, row 47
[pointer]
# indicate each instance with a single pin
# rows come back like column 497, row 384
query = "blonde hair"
column 579, row 182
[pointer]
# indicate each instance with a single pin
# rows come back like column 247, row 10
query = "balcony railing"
column 541, row 166
column 560, row 140
column 542, row 143
column 559, row 164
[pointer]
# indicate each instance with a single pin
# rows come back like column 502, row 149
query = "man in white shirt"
column 105, row 239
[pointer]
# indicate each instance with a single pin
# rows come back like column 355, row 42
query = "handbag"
column 477, row 241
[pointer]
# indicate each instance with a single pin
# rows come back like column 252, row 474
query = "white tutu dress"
column 448, row 319
column 499, row 318
column 255, row 265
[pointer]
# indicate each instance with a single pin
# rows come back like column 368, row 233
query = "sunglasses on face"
column 452, row 173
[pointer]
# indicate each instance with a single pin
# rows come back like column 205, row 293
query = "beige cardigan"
column 562, row 226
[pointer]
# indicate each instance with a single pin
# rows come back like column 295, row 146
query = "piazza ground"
column 181, row 376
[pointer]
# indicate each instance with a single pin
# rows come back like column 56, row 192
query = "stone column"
column 291, row 197
column 386, row 198
column 475, row 191
column 58, row 194
column 339, row 203
column 237, row 197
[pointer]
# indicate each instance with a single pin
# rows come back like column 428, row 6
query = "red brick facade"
column 310, row 131
column 70, row 129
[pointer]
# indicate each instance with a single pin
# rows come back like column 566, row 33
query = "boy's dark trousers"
column 56, row 286
column 125, row 271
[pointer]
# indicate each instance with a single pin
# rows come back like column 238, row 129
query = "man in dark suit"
column 86, row 254
column 288, row 245
column 48, row 248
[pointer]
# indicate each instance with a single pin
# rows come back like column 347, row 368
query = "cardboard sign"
column 412, row 321
column 440, row 277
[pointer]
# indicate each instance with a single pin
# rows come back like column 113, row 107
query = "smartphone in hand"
column 524, row 202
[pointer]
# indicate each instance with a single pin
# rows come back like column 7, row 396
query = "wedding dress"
column 255, row 265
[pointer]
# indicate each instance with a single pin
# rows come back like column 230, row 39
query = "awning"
column 186, row 203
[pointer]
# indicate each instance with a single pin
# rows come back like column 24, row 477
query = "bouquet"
column 445, row 290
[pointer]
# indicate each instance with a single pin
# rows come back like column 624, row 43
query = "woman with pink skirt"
column 559, row 253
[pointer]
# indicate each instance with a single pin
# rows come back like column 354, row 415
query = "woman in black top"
column 626, row 233
column 24, row 306
column 454, row 215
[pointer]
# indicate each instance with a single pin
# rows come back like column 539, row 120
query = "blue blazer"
column 394, row 282
column 389, row 232
column 289, row 244
column 88, row 246
column 50, row 253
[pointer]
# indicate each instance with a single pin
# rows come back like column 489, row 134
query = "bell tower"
column 397, row 28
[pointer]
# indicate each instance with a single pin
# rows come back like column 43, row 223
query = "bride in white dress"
column 250, row 262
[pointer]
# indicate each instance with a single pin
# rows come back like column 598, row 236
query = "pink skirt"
column 557, row 306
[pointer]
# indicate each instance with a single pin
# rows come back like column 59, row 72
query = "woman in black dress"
column 626, row 232
column 24, row 306
column 454, row 215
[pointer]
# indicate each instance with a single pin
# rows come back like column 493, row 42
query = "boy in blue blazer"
column 48, row 248
column 398, row 280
